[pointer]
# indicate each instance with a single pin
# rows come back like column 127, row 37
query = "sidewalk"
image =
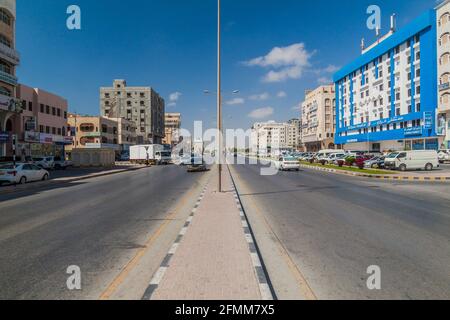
column 214, row 257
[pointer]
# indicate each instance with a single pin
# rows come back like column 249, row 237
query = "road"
column 96, row 224
column 334, row 227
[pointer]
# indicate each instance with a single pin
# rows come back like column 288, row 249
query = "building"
column 172, row 128
column 386, row 99
column 142, row 105
column 10, row 106
column 93, row 132
column 443, row 58
column 41, row 129
column 318, row 114
column 126, row 136
column 272, row 138
column 294, row 134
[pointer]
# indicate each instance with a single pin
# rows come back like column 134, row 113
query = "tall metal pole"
column 219, row 99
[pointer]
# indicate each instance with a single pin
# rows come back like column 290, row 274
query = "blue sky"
column 171, row 46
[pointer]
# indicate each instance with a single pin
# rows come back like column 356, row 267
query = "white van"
column 412, row 160
column 325, row 154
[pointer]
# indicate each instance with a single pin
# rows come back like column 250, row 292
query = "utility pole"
column 219, row 99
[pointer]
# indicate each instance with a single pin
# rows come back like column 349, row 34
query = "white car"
column 288, row 163
column 47, row 163
column 444, row 155
column 22, row 173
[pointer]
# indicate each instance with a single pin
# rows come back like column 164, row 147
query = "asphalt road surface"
column 334, row 227
column 96, row 224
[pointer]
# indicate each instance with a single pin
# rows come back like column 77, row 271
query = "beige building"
column 272, row 138
column 127, row 135
column 443, row 52
column 172, row 128
column 10, row 106
column 318, row 118
column 142, row 105
column 41, row 130
column 93, row 133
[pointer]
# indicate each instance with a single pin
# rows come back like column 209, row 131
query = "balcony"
column 8, row 78
column 444, row 86
column 9, row 54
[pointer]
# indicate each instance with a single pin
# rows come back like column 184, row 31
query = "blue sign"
column 414, row 131
column 4, row 137
column 428, row 120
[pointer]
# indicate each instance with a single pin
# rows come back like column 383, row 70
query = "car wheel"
column 429, row 167
column 402, row 167
column 374, row 166
column 45, row 177
column 23, row 180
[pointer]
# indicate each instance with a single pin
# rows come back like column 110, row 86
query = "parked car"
column 62, row 164
column 375, row 162
column 288, row 163
column 47, row 163
column 360, row 161
column 410, row 160
column 22, row 173
column 332, row 157
column 338, row 157
column 444, row 155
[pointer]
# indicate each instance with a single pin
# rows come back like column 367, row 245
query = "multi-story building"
column 386, row 99
column 172, row 128
column 443, row 56
column 294, row 133
column 10, row 106
column 272, row 138
column 41, row 129
column 126, row 135
column 142, row 105
column 318, row 122
column 93, row 132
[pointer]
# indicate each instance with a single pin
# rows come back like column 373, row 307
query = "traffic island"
column 378, row 174
column 214, row 256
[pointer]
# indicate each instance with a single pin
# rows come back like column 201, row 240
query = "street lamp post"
column 219, row 100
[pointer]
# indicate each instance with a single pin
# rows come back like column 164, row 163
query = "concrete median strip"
column 214, row 256
column 380, row 177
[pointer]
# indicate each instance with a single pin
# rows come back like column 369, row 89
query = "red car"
column 359, row 161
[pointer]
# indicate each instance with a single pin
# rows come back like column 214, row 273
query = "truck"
column 153, row 154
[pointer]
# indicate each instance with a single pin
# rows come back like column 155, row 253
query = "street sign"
column 428, row 120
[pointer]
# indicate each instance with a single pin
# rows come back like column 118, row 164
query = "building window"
column 5, row 17
column 47, row 109
column 42, row 108
column 30, row 106
column 418, row 107
column 397, row 111
column 418, row 90
column 5, row 40
column 47, row 129
column 53, row 111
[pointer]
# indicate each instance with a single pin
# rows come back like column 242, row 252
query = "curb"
column 50, row 182
column 265, row 286
column 380, row 177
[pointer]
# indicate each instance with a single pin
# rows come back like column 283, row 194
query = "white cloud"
column 235, row 101
column 174, row 97
column 324, row 80
column 172, row 104
column 287, row 62
column 260, row 97
column 282, row 94
column 331, row 69
column 261, row 113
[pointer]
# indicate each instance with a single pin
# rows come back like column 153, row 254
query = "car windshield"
column 393, row 155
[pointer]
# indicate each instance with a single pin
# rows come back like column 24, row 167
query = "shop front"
column 41, row 144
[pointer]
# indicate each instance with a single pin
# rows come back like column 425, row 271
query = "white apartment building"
column 271, row 138
column 443, row 56
column 142, row 105
column 318, row 118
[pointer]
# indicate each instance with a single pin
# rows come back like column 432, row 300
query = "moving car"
column 197, row 164
column 288, row 163
column 47, row 163
column 412, row 160
column 22, row 173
